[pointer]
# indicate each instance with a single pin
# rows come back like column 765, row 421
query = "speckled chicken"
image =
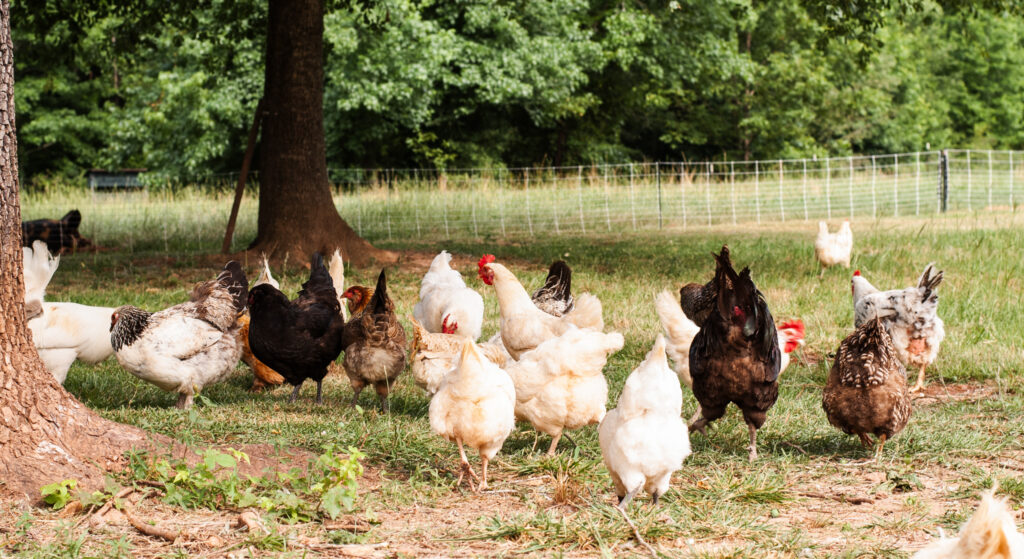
column 555, row 296
column 374, row 343
column 186, row 347
column 866, row 392
column 736, row 357
column 910, row 315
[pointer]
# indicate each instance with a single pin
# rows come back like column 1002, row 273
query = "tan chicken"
column 523, row 325
column 374, row 344
column 560, row 384
column 434, row 355
column 910, row 315
column 990, row 534
column 832, row 249
column 866, row 392
column 474, row 406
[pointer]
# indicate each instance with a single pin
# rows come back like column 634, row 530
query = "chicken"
column 337, row 272
column 680, row 331
column 910, row 315
column 58, row 234
column 61, row 332
column 735, row 357
column 832, row 249
column 991, row 533
column 560, row 384
column 555, row 296
column 263, row 375
column 474, row 405
column 696, row 300
column 188, row 346
column 643, row 440
column 523, row 325
column 299, row 338
column 374, row 344
column 446, row 305
column 866, row 392
column 356, row 299
column 433, row 355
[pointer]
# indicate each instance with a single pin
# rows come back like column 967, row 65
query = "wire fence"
column 475, row 203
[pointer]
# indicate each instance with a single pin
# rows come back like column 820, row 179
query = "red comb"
column 485, row 260
column 856, row 272
column 794, row 334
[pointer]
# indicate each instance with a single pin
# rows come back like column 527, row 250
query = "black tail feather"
column 559, row 281
column 379, row 301
column 71, row 221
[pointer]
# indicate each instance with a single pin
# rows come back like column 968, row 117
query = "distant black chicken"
column 735, row 357
column 58, row 234
column 299, row 338
column 555, row 296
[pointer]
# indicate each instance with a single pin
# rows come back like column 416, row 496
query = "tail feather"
column 39, row 267
column 71, row 221
column 679, row 332
column 588, row 313
column 929, row 279
column 233, row 277
column 379, row 301
column 337, row 273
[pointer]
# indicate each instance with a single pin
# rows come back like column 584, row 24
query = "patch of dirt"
column 940, row 393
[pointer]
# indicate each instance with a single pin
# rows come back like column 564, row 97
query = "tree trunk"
column 45, row 434
column 296, row 211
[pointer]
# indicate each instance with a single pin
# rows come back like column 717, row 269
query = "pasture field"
column 814, row 492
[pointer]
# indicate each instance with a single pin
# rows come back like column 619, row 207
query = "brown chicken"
column 358, row 297
column 866, row 393
column 374, row 343
column 735, row 356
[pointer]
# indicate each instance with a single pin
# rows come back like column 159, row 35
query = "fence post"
column 1011, row 179
column 851, row 186
column 896, row 185
column 501, row 198
column 782, row 201
column 554, row 206
column 989, row 178
column 732, row 186
column 387, row 206
column 657, row 175
column 757, row 189
column 579, row 192
column 969, row 182
column 806, row 216
column 943, row 180
column 607, row 212
column 632, row 201
column 682, row 192
column 874, row 200
column 526, row 185
column 707, row 190
column 917, row 183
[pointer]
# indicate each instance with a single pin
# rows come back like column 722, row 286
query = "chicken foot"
column 465, row 467
column 881, row 443
column 752, row 454
column 920, row 380
column 625, row 499
column 699, row 426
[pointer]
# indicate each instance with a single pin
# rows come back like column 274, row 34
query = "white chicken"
column 523, row 325
column 474, row 405
column 188, row 346
column 446, row 305
column 832, row 249
column 337, row 273
column 432, row 355
column 909, row 315
column 643, row 440
column 560, row 385
column 61, row 332
column 990, row 534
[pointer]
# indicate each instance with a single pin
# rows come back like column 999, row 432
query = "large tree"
column 45, row 433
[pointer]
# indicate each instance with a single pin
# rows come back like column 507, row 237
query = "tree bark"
column 46, row 435
column 296, row 212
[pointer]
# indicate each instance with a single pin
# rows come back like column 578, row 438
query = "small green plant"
column 339, row 485
column 58, row 494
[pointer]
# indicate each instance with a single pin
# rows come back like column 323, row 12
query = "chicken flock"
column 545, row 365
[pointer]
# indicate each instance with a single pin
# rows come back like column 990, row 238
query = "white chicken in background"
column 910, row 315
column 61, row 332
column 990, row 534
column 523, row 325
column 680, row 331
column 337, row 273
column 432, row 355
column 475, row 406
column 643, row 440
column 186, row 347
column 446, row 305
column 560, row 385
column 832, row 249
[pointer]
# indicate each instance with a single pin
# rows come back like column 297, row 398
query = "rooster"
column 186, row 347
column 299, row 338
column 61, row 332
column 374, row 343
column 263, row 376
column 560, row 384
column 523, row 325
column 643, row 440
column 832, row 249
column 991, row 533
column 910, row 316
column 866, row 392
column 474, row 405
column 735, row 357
column 555, row 296
column 446, row 305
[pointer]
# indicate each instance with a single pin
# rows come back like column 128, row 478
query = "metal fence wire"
column 480, row 203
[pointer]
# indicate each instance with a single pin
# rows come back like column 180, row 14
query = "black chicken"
column 299, row 338
column 735, row 357
column 555, row 296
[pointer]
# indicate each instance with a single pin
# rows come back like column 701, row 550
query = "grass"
column 788, row 504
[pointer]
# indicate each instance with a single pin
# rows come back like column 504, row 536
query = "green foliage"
column 58, row 494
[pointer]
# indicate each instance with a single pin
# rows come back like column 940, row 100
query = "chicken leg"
column 881, row 443
column 554, row 444
column 699, row 426
column 625, row 499
column 752, row 455
column 483, row 484
column 320, row 391
column 184, row 401
column 465, row 467
column 295, row 393
column 920, row 380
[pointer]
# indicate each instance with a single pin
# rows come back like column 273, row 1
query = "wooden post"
column 243, row 176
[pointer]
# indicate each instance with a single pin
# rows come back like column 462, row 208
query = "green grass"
column 719, row 505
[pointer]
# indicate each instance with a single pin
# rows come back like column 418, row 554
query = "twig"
column 148, row 529
column 353, row 549
column 149, row 483
column 636, row 533
column 852, row 499
column 791, row 445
